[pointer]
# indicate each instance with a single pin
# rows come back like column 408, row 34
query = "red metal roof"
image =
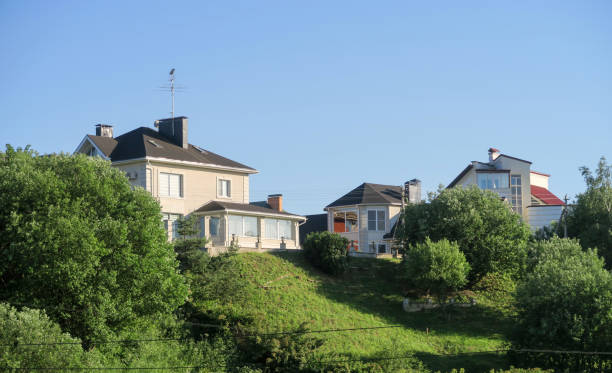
column 545, row 196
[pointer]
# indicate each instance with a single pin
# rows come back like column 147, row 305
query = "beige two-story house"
column 367, row 215
column 513, row 179
column 187, row 179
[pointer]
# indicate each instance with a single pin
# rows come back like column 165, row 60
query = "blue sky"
column 321, row 96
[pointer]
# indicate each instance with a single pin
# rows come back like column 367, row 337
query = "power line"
column 122, row 341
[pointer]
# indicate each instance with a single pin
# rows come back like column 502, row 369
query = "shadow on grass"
column 472, row 363
column 370, row 287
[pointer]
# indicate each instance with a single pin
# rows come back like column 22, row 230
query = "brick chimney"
column 276, row 201
column 104, row 130
column 493, row 154
column 412, row 191
column 174, row 129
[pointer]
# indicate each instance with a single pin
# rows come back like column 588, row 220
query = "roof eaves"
column 460, row 176
column 516, row 159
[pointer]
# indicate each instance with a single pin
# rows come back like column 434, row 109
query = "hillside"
column 285, row 291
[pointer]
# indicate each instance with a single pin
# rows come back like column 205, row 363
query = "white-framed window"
column 170, row 219
column 213, row 225
column 345, row 221
column 243, row 226
column 170, row 185
column 516, row 193
column 277, row 229
column 492, row 180
column 376, row 220
column 224, row 188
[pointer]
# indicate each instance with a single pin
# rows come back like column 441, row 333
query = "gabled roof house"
column 513, row 179
column 187, row 179
column 367, row 214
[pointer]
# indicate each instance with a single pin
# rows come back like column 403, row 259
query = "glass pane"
column 381, row 225
column 213, row 226
column 163, row 184
column 371, row 225
column 250, row 226
column 285, row 229
column 372, row 247
column 382, row 248
column 380, row 215
column 339, row 222
column 351, row 222
column 235, row 225
column 271, row 226
column 372, row 215
column 201, row 227
column 228, row 188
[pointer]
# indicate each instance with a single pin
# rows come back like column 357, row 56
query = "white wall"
column 541, row 216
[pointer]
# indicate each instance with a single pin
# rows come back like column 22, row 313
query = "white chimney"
column 493, row 154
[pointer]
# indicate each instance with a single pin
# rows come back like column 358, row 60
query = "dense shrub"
column 492, row 237
column 327, row 251
column 565, row 303
column 33, row 326
column 291, row 352
column 77, row 240
column 435, row 267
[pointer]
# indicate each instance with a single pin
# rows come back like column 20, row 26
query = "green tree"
column 590, row 219
column 327, row 251
column 19, row 328
column 78, row 241
column 190, row 245
column 565, row 303
column 492, row 237
column 435, row 267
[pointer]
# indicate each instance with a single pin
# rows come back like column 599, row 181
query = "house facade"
column 512, row 179
column 367, row 214
column 187, row 179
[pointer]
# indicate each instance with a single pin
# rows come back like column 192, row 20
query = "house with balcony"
column 187, row 179
column 525, row 190
column 367, row 214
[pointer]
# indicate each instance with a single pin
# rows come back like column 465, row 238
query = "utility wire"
column 322, row 362
column 121, row 341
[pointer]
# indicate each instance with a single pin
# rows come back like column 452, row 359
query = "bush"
column 436, row 267
column 77, row 240
column 33, row 326
column 279, row 353
column 564, row 304
column 492, row 237
column 327, row 251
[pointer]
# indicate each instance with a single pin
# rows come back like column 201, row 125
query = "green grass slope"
column 286, row 291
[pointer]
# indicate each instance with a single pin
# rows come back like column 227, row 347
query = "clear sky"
column 320, row 96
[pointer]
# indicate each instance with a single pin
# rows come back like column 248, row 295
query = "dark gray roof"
column 105, row 144
column 141, row 142
column 245, row 207
column 370, row 193
column 314, row 223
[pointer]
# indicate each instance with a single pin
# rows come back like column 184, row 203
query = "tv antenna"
column 172, row 88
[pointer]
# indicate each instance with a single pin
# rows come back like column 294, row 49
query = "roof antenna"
column 172, row 92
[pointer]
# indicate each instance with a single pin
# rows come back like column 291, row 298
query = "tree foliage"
column 590, row 219
column 327, row 251
column 492, row 237
column 18, row 328
column 78, row 241
column 190, row 245
column 436, row 267
column 565, row 303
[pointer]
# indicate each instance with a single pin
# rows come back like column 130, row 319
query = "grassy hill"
column 286, row 291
